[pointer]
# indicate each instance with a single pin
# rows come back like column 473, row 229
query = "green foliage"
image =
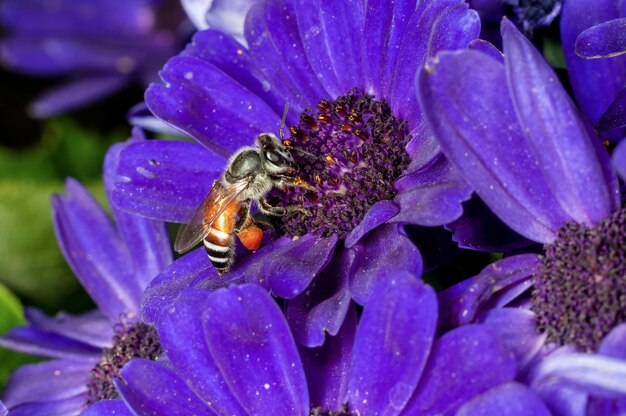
column 553, row 52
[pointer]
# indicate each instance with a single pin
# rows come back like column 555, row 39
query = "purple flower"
column 227, row 16
column 598, row 84
column 114, row 263
column 231, row 352
column 99, row 46
column 347, row 73
column 520, row 142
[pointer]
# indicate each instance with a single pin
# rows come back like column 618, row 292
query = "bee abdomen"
column 219, row 247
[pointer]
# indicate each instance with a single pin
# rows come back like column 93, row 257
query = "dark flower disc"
column 532, row 14
column 580, row 294
column 136, row 341
column 357, row 150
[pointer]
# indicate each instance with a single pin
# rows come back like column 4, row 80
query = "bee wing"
column 199, row 225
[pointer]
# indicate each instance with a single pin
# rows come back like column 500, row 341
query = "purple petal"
column 487, row 48
column 392, row 345
column 210, row 106
column 229, row 56
column 328, row 367
column 323, row 306
column 161, row 179
column 31, row 340
column 75, row 94
column 375, row 253
column 331, row 37
column 548, row 117
column 615, row 116
column 274, row 42
column 592, row 373
column 197, row 11
column 479, row 229
column 484, row 365
column 108, row 408
column 3, row 409
column 436, row 26
column 460, row 104
column 92, row 328
column 518, row 333
column 431, row 196
column 596, row 82
column 619, row 159
column 70, row 406
column 228, row 16
column 605, row 40
column 147, row 240
column 47, row 381
column 182, row 335
column 378, row 214
column 148, row 388
column 384, row 28
column 95, row 252
column 250, row 342
column 510, row 399
column 140, row 116
column 614, row 344
column 461, row 306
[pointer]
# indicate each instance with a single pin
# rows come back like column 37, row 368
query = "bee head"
column 275, row 157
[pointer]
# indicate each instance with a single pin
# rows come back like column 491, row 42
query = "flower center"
column 580, row 294
column 356, row 151
column 137, row 341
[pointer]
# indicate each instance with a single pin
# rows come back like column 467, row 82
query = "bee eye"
column 272, row 157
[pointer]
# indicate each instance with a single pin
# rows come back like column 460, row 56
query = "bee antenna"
column 282, row 122
column 302, row 151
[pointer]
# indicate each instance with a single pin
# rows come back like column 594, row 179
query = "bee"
column 225, row 211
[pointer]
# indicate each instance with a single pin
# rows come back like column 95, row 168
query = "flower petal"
column 95, row 252
column 148, row 388
column 434, row 26
column 108, row 408
column 147, row 240
column 431, row 196
column 614, row 344
column 47, row 381
column 207, row 104
column 596, row 82
column 375, row 253
column 140, row 116
column 460, row 104
column 161, row 179
column 92, row 328
column 619, row 159
column 273, row 37
column 378, row 214
column 323, row 306
column 462, row 306
column 75, row 94
column 331, row 35
column 182, row 335
column 70, row 406
column 328, row 367
column 484, row 365
column 605, row 40
column 392, row 345
column 30, row 340
column 384, row 28
column 250, row 342
column 510, row 399
column 559, row 138
column 615, row 116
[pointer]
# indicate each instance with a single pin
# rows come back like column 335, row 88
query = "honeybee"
column 225, row 211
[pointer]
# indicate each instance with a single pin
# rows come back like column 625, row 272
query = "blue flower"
column 231, row 352
column 114, row 263
column 347, row 73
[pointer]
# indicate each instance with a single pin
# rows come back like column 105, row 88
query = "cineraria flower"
column 100, row 46
column 347, row 73
column 519, row 141
column 227, row 16
column 598, row 84
column 114, row 263
column 231, row 352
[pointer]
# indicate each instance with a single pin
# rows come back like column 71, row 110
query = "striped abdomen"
column 219, row 240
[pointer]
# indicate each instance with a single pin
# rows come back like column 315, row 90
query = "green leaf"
column 11, row 315
column 553, row 52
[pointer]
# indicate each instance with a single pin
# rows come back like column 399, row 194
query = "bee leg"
column 295, row 182
column 263, row 222
column 268, row 209
column 245, row 219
